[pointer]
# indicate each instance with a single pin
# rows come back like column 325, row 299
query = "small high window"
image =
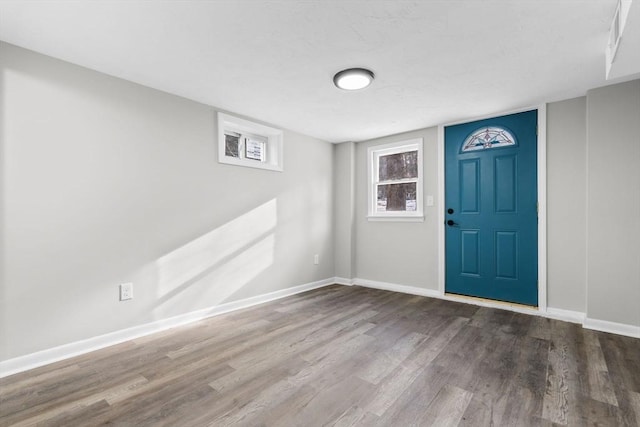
column 395, row 181
column 488, row 137
column 245, row 146
column 245, row 143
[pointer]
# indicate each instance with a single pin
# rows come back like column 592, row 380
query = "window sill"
column 417, row 218
column 250, row 163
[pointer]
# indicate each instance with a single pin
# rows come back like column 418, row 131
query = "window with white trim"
column 245, row 143
column 395, row 181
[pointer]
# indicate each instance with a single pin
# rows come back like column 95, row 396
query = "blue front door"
column 491, row 219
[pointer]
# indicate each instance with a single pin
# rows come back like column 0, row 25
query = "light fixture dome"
column 353, row 78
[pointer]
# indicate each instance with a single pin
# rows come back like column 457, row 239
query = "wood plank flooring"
column 343, row 356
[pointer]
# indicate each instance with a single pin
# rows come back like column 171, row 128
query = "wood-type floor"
column 343, row 356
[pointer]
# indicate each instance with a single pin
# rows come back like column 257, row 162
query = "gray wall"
column 403, row 253
column 344, row 214
column 106, row 181
column 593, row 200
column 567, row 204
column 613, row 203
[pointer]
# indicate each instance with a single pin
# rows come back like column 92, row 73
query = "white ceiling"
column 435, row 61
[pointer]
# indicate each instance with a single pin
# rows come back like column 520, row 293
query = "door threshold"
column 491, row 302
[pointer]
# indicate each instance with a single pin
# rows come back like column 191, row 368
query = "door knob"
column 451, row 223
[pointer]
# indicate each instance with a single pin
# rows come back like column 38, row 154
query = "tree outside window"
column 396, row 180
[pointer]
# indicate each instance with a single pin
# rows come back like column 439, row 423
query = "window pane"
column 398, row 166
column 231, row 145
column 396, row 197
column 254, row 149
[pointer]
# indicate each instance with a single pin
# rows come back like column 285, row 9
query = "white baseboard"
column 413, row 290
column 612, row 327
column 66, row 351
column 565, row 315
column 342, row 281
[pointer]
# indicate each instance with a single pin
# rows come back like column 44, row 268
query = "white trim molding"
column 565, row 315
column 542, row 208
column 374, row 153
column 440, row 204
column 66, row 351
column 612, row 327
column 342, row 281
column 396, row 218
column 385, row 286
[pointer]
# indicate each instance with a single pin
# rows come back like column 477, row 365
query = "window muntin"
column 395, row 180
column 488, row 137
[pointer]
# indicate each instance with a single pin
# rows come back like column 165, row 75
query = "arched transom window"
column 488, row 137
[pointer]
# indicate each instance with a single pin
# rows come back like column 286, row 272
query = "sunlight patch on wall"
column 222, row 261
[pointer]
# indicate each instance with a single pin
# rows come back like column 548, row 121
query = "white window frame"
column 373, row 157
column 271, row 155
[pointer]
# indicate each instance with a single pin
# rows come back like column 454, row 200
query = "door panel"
column 506, row 190
column 470, row 252
column 491, row 240
column 470, row 186
column 506, row 257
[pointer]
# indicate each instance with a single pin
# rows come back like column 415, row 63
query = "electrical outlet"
column 126, row 291
column 316, row 259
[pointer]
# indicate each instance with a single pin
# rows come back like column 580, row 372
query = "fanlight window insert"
column 488, row 137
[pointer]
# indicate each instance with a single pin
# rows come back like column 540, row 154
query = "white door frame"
column 542, row 202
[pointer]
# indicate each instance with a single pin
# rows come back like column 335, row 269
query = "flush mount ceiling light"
column 353, row 78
